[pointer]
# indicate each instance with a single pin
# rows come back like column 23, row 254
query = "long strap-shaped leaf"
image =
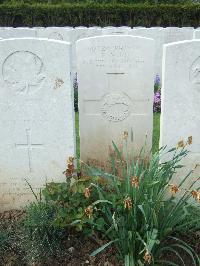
column 94, row 253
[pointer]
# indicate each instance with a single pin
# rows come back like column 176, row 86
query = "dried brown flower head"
column 70, row 160
column 128, row 203
column 173, row 189
column 125, row 135
column 194, row 194
column 147, row 257
column 87, row 192
column 135, row 181
column 181, row 144
column 89, row 211
column 190, row 140
column 198, row 196
column 70, row 167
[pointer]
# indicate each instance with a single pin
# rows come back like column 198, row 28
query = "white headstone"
column 115, row 30
column 62, row 34
column 174, row 34
column 115, row 77
column 56, row 33
column 36, row 116
column 197, row 34
column 163, row 36
column 138, row 27
column 81, row 33
column 180, row 116
column 7, row 33
column 71, row 35
column 156, row 34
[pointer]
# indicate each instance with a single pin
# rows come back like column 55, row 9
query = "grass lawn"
column 156, row 133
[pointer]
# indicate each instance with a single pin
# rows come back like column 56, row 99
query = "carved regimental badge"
column 115, row 107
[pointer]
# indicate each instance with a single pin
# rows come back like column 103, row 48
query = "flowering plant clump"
column 75, row 86
column 75, row 201
column 142, row 208
column 157, row 102
column 157, row 95
column 157, row 83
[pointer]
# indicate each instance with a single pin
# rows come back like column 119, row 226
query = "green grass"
column 156, row 133
column 77, row 135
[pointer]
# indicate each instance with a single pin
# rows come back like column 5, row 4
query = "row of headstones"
column 160, row 35
column 116, row 83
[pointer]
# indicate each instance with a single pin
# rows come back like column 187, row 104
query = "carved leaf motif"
column 22, row 70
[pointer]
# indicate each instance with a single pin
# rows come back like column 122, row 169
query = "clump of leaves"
column 139, row 216
column 70, row 199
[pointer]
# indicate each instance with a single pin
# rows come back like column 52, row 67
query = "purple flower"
column 157, row 80
column 157, row 102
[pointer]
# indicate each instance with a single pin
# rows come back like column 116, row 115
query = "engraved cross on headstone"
column 29, row 146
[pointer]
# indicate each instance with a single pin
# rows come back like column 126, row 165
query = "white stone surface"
column 36, row 116
column 156, row 34
column 71, row 35
column 163, row 36
column 197, row 34
column 66, row 34
column 56, row 33
column 139, row 27
column 115, row 77
column 180, row 116
column 81, row 33
column 174, row 34
column 7, row 33
column 115, row 30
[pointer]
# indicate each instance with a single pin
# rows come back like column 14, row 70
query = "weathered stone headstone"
column 115, row 77
column 180, row 116
column 36, row 117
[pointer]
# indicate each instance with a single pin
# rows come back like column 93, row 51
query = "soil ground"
column 77, row 250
